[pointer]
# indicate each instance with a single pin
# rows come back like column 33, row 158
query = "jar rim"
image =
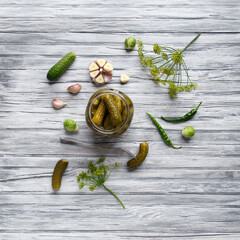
column 112, row 92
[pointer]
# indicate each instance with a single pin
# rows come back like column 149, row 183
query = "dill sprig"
column 96, row 175
column 167, row 66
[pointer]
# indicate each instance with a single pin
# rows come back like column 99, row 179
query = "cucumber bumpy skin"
column 107, row 123
column 61, row 66
column 142, row 154
column 113, row 109
column 119, row 103
column 59, row 169
column 99, row 114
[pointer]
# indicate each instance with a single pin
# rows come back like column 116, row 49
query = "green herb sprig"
column 96, row 175
column 167, row 66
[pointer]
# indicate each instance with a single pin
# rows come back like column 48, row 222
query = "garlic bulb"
column 100, row 71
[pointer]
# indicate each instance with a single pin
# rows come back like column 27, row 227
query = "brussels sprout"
column 70, row 125
column 130, row 43
column 188, row 132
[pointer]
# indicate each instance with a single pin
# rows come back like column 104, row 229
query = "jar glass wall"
column 109, row 112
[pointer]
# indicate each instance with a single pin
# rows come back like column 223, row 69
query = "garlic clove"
column 58, row 104
column 101, row 62
column 93, row 66
column 107, row 77
column 108, row 67
column 74, row 89
column 99, row 79
column 124, row 78
column 94, row 74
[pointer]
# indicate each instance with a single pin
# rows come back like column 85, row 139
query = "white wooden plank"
column 192, row 193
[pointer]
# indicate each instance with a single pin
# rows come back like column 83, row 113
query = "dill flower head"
column 167, row 66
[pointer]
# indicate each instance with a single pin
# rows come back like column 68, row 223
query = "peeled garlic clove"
column 108, row 67
column 101, row 62
column 94, row 74
column 74, row 89
column 99, row 79
column 107, row 77
column 124, row 78
column 93, row 66
column 58, row 104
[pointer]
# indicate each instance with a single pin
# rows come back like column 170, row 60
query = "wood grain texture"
column 191, row 193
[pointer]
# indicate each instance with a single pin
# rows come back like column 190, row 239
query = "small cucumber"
column 93, row 111
column 107, row 123
column 142, row 154
column 124, row 113
column 99, row 114
column 58, row 172
column 113, row 109
column 118, row 102
column 96, row 102
column 61, row 66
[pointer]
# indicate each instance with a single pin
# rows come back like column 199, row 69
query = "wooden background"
column 192, row 193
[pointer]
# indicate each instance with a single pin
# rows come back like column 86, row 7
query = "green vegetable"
column 112, row 107
column 70, row 125
column 119, row 103
column 130, row 43
column 166, row 65
column 188, row 132
column 142, row 154
column 99, row 114
column 162, row 132
column 59, row 169
column 96, row 175
column 107, row 123
column 184, row 118
column 124, row 113
column 61, row 66
column 96, row 102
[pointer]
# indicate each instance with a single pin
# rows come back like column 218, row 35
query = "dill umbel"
column 167, row 66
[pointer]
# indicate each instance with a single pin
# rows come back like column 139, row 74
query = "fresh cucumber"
column 61, row 66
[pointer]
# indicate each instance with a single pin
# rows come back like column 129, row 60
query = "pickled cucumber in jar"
column 109, row 112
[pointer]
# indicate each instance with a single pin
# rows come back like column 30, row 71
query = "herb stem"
column 113, row 195
column 191, row 42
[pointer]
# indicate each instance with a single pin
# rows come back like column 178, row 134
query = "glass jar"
column 126, row 111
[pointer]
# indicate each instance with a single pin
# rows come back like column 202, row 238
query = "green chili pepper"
column 162, row 132
column 184, row 118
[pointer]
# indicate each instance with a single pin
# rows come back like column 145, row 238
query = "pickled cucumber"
column 99, row 114
column 124, row 113
column 107, row 123
column 96, row 102
column 93, row 111
column 61, row 66
column 142, row 154
column 118, row 102
column 58, row 172
column 115, row 115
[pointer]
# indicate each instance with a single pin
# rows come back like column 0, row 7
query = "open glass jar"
column 109, row 112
